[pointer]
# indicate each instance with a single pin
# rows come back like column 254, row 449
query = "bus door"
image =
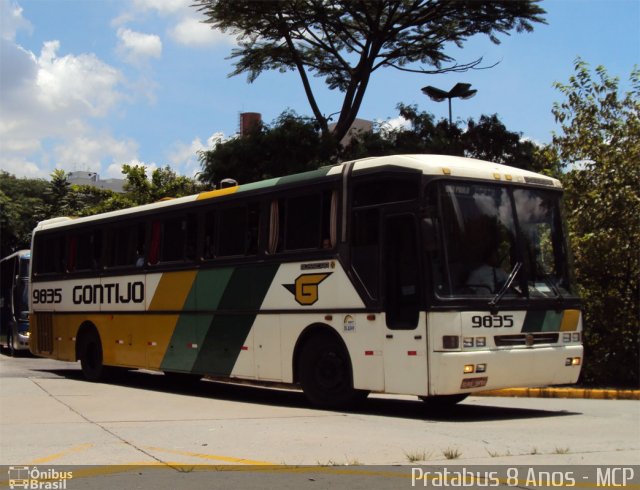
column 405, row 356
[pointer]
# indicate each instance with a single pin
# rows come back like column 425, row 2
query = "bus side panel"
column 226, row 337
column 360, row 336
column 308, row 294
column 263, row 347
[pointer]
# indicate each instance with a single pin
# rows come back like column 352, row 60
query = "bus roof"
column 437, row 165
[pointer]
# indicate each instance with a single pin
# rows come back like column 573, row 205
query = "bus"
column 428, row 275
column 14, row 302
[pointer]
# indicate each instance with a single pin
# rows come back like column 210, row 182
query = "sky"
column 93, row 84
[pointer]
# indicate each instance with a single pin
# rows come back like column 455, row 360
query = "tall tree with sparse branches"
column 345, row 41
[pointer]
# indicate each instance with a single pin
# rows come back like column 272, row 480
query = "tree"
column 291, row 144
column 599, row 145
column 164, row 183
column 346, row 41
column 21, row 205
column 486, row 139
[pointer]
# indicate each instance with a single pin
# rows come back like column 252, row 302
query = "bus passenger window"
column 239, row 230
column 208, row 251
column 233, row 226
column 173, row 238
column 88, row 250
column 304, row 222
column 128, row 242
column 49, row 252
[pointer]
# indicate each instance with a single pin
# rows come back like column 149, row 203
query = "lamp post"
column 460, row 90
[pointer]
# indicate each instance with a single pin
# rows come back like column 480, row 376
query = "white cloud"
column 395, row 123
column 49, row 105
column 186, row 26
column 183, row 157
column 80, row 83
column 163, row 6
column 136, row 47
column 11, row 20
column 190, row 31
column 87, row 152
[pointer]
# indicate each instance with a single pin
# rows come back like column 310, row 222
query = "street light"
column 460, row 90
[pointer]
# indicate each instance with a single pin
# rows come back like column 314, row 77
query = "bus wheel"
column 325, row 373
column 443, row 401
column 91, row 357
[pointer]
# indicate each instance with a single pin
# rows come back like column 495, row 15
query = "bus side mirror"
column 429, row 234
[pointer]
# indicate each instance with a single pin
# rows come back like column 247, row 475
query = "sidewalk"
column 569, row 392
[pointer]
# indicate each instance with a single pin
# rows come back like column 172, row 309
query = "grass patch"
column 415, row 456
column 450, row 453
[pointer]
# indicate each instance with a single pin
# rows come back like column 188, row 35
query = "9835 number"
column 44, row 296
column 492, row 321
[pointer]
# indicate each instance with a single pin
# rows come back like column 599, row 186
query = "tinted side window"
column 381, row 191
column 304, row 220
column 366, row 248
column 178, row 238
column 88, row 250
column 127, row 244
column 48, row 254
column 239, row 230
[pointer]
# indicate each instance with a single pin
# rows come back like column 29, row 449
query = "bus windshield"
column 497, row 240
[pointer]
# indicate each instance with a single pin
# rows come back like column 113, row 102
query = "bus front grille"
column 526, row 339
column 44, row 322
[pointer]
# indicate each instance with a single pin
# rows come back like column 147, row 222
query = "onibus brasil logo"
column 34, row 478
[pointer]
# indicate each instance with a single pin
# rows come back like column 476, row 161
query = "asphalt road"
column 161, row 433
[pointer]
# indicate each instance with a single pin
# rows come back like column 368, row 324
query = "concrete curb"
column 593, row 393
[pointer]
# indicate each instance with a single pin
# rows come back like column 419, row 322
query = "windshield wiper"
column 493, row 304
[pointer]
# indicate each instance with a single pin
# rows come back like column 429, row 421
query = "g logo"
column 305, row 289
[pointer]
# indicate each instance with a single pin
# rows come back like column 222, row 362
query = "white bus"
column 429, row 275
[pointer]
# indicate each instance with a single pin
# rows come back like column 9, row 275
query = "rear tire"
column 91, row 357
column 325, row 373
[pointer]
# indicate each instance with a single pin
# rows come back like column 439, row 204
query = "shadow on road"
column 387, row 407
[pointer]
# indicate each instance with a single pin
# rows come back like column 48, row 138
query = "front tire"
column 325, row 373
column 91, row 357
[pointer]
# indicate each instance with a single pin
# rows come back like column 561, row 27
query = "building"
column 92, row 178
column 248, row 121
column 358, row 126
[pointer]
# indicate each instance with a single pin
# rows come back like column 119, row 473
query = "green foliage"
column 164, row 183
column 24, row 202
column 600, row 146
column 486, row 139
column 294, row 144
column 344, row 41
column 21, row 203
column 290, row 145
